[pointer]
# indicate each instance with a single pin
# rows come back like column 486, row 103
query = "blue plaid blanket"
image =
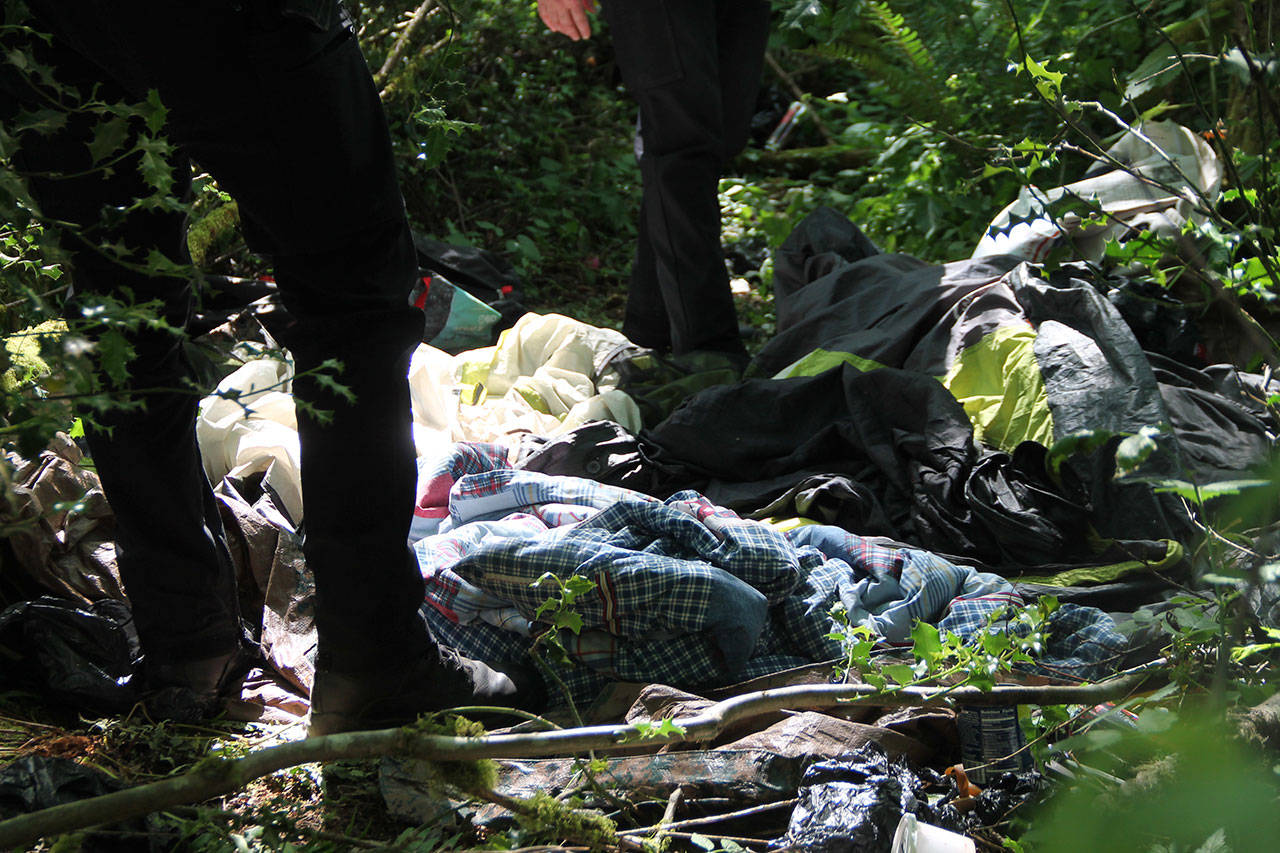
column 687, row 593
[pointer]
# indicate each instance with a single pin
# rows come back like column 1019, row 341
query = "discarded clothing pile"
column 687, row 593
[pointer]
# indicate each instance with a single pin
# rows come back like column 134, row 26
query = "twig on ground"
column 673, row 803
column 702, row 821
column 736, row 838
column 982, row 842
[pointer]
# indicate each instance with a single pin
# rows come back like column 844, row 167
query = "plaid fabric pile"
column 437, row 476
column 687, row 593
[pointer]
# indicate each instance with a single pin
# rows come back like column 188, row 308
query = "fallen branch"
column 801, row 162
column 216, row 776
column 1260, row 725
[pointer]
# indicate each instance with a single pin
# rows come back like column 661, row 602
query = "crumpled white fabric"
column 249, row 425
column 434, row 397
column 547, row 375
column 1162, row 151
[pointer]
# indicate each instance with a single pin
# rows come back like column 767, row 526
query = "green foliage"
column 557, row 610
column 1011, row 636
column 945, row 91
column 513, row 139
column 1196, row 789
column 48, row 361
column 657, row 730
column 881, row 45
column 471, row 777
column 1172, row 775
column 716, row 845
column 556, row 615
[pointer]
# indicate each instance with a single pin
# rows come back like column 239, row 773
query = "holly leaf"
column 324, row 380
column 114, row 354
column 154, row 113
column 158, row 264
column 667, row 728
column 901, row 673
column 43, row 121
column 108, row 137
column 567, row 619
column 926, row 645
column 1134, row 450
column 153, row 165
column 800, row 16
column 1048, row 83
column 578, row 585
column 996, row 643
column 1082, row 441
column 982, row 679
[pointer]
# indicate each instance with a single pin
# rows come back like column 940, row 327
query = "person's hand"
column 568, row 17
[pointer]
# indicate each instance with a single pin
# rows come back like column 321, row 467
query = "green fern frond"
column 899, row 35
column 880, row 43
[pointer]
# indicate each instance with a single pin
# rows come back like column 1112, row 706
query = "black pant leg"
column 646, row 321
column 742, row 32
column 316, row 181
column 170, row 547
column 358, row 470
column 285, row 116
column 674, row 63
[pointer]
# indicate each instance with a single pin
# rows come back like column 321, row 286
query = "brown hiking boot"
column 194, row 690
column 442, row 679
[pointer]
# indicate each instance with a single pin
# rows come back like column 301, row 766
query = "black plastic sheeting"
column 1160, row 322
column 852, row 804
column 84, row 655
column 36, row 782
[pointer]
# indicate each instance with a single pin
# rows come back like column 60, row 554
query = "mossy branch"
column 421, row 14
column 216, row 776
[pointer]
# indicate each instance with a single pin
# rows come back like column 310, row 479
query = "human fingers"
column 566, row 17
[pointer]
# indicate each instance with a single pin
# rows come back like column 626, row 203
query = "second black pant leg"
column 358, row 463
column 742, row 34
column 646, row 321
column 668, row 57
